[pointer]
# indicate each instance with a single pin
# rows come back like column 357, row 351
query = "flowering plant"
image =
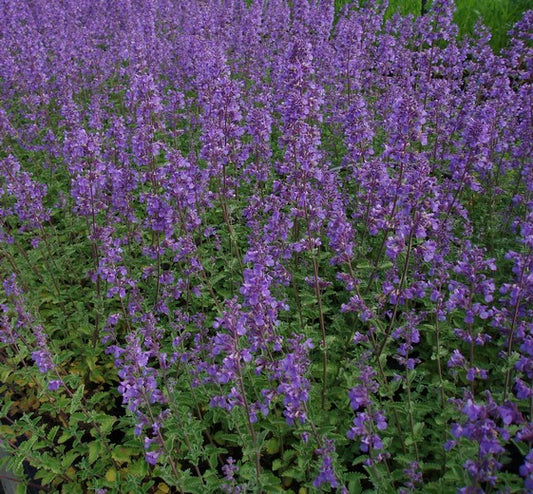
column 264, row 246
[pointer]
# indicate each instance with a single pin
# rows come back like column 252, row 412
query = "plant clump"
column 264, row 246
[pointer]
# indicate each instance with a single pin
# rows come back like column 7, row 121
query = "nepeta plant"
column 263, row 246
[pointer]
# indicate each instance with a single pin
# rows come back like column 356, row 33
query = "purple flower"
column 526, row 471
column 294, row 385
column 42, row 357
column 327, row 472
column 55, row 384
column 414, row 477
column 481, row 427
column 230, row 468
column 8, row 335
column 152, row 457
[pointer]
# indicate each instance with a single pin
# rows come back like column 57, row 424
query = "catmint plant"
column 264, row 246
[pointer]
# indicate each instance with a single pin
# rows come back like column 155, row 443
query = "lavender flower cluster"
column 307, row 229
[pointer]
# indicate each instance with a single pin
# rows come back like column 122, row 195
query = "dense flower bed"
column 264, row 246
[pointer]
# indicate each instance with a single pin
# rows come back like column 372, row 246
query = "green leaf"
column 223, row 438
column 294, row 473
column 289, row 455
column 138, row 468
column 272, row 446
column 75, row 418
column 53, row 432
column 523, row 447
column 75, row 403
column 418, row 429
column 45, row 477
column 105, row 422
column 53, row 464
column 95, row 447
column 73, row 488
column 354, row 482
column 122, row 454
column 7, row 406
column 191, row 484
column 69, row 458
column 65, row 436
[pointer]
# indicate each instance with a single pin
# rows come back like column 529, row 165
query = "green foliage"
column 498, row 15
column 80, row 437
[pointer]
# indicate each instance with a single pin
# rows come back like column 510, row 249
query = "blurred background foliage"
column 498, row 15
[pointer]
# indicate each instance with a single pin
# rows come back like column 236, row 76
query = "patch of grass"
column 498, row 15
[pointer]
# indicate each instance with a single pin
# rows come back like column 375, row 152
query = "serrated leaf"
column 418, row 428
column 69, row 458
column 105, row 422
column 272, row 446
column 53, row 432
column 111, row 475
column 64, row 437
column 75, row 418
column 138, row 468
column 223, row 437
column 5, row 373
column 289, row 455
column 95, row 447
column 52, row 464
column 45, row 477
column 522, row 447
column 354, row 483
column 162, row 488
column 6, row 431
column 75, row 402
column 7, row 406
column 293, row 473
column 71, row 488
column 122, row 454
